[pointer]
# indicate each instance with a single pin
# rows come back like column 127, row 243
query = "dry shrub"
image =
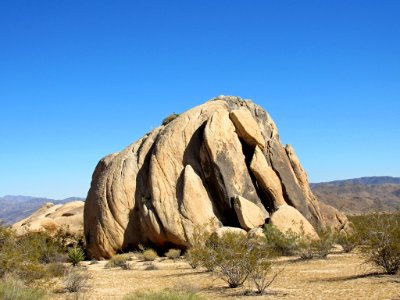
column 173, row 253
column 119, row 260
column 56, row 269
column 75, row 280
column 149, row 254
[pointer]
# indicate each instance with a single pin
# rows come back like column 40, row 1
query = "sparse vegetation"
column 75, row 279
column 119, row 260
column 164, row 295
column 14, row 289
column 233, row 257
column 380, row 238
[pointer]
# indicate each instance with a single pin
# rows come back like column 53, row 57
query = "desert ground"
column 340, row 276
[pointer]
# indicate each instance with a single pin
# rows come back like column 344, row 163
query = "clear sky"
column 82, row 79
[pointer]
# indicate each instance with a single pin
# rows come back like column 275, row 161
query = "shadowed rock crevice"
column 220, row 163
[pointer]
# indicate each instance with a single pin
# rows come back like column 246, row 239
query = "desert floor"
column 341, row 276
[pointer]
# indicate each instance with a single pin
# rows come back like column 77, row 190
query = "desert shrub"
column 67, row 239
column 119, row 260
column 309, row 247
column 26, row 256
column 75, row 256
column 382, row 240
column 348, row 241
column 260, row 275
column 15, row 289
column 324, row 244
column 173, row 253
column 164, row 295
column 281, row 243
column 149, row 254
column 56, row 269
column 75, row 280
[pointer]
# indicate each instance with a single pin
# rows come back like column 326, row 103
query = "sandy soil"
column 341, row 276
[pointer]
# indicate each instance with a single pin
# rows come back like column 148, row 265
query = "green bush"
column 234, row 258
column 27, row 256
column 149, row 254
column 75, row 256
column 281, row 243
column 380, row 236
column 348, row 241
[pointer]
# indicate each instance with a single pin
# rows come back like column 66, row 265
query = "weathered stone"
column 180, row 175
column 226, row 155
column 250, row 215
column 196, row 207
column 247, row 128
column 267, row 178
column 301, row 176
column 220, row 232
column 288, row 218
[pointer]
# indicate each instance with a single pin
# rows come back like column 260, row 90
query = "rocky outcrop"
column 188, row 173
column 51, row 218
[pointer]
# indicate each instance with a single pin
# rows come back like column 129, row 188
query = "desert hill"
column 360, row 195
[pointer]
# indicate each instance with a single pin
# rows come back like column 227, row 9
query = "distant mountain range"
column 360, row 195
column 15, row 208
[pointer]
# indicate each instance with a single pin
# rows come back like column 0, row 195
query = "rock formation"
column 51, row 218
column 219, row 164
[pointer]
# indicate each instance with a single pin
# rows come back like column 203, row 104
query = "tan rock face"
column 288, row 218
column 250, row 215
column 51, row 218
column 267, row 178
column 187, row 173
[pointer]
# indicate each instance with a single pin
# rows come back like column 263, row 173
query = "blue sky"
column 82, row 79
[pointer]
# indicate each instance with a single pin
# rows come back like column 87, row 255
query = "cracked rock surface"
column 188, row 173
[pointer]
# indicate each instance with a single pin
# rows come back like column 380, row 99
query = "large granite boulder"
column 188, row 172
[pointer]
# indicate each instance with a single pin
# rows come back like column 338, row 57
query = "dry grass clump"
column 75, row 280
column 173, row 253
column 149, row 255
column 12, row 288
column 166, row 294
column 119, row 260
